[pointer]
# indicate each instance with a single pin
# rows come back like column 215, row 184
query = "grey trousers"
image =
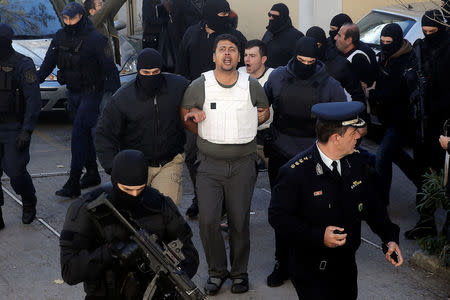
column 231, row 181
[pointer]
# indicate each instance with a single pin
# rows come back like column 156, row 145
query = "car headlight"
column 130, row 66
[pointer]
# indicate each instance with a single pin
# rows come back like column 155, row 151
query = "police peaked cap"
column 6, row 32
column 344, row 112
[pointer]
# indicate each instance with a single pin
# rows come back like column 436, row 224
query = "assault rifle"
column 162, row 260
column 418, row 99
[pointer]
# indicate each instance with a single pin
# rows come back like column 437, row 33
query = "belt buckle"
column 323, row 265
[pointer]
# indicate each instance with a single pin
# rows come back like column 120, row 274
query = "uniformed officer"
column 20, row 104
column 318, row 202
column 97, row 250
column 86, row 67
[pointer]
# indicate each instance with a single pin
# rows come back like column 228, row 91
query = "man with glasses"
column 291, row 91
column 280, row 36
column 144, row 115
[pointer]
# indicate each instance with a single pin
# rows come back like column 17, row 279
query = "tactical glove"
column 126, row 253
column 23, row 140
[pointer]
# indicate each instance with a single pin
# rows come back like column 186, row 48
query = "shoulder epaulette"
column 300, row 161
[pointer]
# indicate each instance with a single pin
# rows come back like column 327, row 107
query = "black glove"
column 127, row 253
column 23, row 140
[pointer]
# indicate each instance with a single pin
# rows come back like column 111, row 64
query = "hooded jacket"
column 195, row 54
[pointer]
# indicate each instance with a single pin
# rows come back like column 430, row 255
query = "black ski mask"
column 6, row 35
column 73, row 29
column 129, row 168
column 318, row 34
column 71, row 10
column 338, row 21
column 434, row 18
column 149, row 85
column 305, row 46
column 215, row 22
column 281, row 22
column 394, row 31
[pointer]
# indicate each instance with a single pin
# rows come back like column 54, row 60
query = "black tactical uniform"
column 97, row 250
column 86, row 67
column 20, row 104
column 308, row 197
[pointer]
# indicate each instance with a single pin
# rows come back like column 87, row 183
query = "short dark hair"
column 257, row 43
column 325, row 129
column 352, row 32
column 227, row 37
column 88, row 5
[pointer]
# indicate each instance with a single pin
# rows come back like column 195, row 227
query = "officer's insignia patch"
column 297, row 163
column 319, row 170
column 317, row 193
column 7, row 69
column 301, row 161
column 30, row 76
column 360, row 207
column 356, row 183
column 293, row 166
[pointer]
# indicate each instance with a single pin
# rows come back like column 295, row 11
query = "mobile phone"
column 394, row 254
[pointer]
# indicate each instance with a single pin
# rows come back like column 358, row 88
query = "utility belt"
column 162, row 162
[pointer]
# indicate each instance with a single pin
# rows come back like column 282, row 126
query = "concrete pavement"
column 29, row 255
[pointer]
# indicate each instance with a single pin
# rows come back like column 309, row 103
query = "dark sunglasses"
column 272, row 15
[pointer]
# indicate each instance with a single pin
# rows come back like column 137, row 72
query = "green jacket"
column 104, row 22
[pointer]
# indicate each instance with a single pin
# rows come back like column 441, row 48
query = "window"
column 30, row 19
column 371, row 25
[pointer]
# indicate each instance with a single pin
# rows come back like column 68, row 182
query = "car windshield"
column 30, row 18
column 371, row 25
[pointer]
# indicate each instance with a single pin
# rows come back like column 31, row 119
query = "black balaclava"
column 149, row 58
column 6, row 35
column 214, row 22
column 129, row 168
column 394, row 31
column 71, row 10
column 305, row 46
column 338, row 21
column 434, row 18
column 318, row 34
column 74, row 29
column 282, row 22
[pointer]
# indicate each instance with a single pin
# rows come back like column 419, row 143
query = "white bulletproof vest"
column 231, row 117
column 262, row 80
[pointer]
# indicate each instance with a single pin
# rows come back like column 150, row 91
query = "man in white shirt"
column 255, row 58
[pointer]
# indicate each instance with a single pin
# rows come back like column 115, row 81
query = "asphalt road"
column 29, row 254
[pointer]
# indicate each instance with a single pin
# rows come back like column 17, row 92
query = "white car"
column 34, row 24
column 407, row 16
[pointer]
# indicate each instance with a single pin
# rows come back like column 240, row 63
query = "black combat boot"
column 29, row 208
column 71, row 188
column 278, row 276
column 192, row 211
column 2, row 224
column 91, row 177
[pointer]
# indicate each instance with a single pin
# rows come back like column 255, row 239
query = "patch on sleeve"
column 30, row 76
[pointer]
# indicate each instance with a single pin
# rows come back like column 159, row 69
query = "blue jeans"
column 84, row 108
column 391, row 151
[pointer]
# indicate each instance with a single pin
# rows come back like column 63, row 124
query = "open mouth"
column 227, row 61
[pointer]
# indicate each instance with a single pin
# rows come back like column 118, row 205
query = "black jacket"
column 307, row 198
column 390, row 99
column 86, row 257
column 281, row 46
column 340, row 69
column 292, row 98
column 153, row 126
column 95, row 67
column 195, row 54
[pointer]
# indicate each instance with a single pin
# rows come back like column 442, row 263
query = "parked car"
column 35, row 23
column 407, row 16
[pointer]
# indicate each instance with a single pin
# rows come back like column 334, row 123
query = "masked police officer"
column 20, row 104
column 86, row 66
column 318, row 202
column 97, row 250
